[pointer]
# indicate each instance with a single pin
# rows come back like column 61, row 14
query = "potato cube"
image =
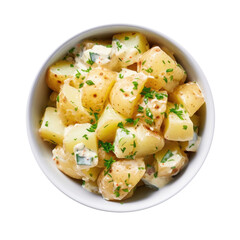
column 107, row 124
column 70, row 106
column 125, row 94
column 190, row 96
column 96, row 88
column 66, row 163
column 58, row 73
column 177, row 126
column 124, row 142
column 52, row 128
column 126, row 49
column 161, row 69
column 151, row 111
column 170, row 160
column 125, row 174
column 146, row 141
column 80, row 133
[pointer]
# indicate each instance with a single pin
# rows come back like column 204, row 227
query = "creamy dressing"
column 84, row 157
column 194, row 143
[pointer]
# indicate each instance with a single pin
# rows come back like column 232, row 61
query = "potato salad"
column 122, row 115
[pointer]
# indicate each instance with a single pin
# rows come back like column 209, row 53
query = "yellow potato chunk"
column 147, row 142
column 170, row 160
column 122, row 177
column 52, row 128
column 126, row 49
column 125, row 94
column 151, row 111
column 70, row 106
column 124, row 143
column 190, row 96
column 52, row 99
column 58, row 73
column 79, row 134
column 66, row 163
column 161, row 69
column 177, row 126
column 96, row 88
column 107, row 124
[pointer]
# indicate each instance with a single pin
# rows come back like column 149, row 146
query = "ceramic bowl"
column 144, row 197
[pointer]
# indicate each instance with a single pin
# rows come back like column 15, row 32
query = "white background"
column 32, row 208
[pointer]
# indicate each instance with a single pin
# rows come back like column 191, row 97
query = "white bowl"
column 143, row 198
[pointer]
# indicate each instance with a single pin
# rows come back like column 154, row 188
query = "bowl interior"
column 144, row 197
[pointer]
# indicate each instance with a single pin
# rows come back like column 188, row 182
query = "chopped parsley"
column 160, row 96
column 135, row 85
column 71, row 65
column 163, row 62
column 191, row 145
column 81, row 85
column 167, row 156
column 149, row 113
column 92, row 128
column 185, row 127
column 46, row 124
column 125, row 190
column 119, row 46
column 165, row 79
column 90, row 82
column 149, row 121
column 116, row 191
column 140, row 109
column 109, row 46
column 175, row 110
column 87, row 70
column 155, row 174
column 85, row 136
column 120, row 76
column 78, row 74
column 57, row 99
column 107, row 146
column 108, row 164
column 120, row 125
column 122, row 90
column 126, row 38
column 131, row 156
column 169, row 70
column 123, row 149
column 137, row 48
column 149, row 70
column 143, row 62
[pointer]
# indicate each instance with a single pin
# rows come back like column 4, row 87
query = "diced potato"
column 125, row 174
column 196, row 122
column 161, row 69
column 52, row 128
column 58, row 73
column 151, row 111
column 126, row 50
column 124, row 142
column 168, row 52
column 70, row 106
column 125, row 94
column 177, row 126
column 147, row 142
column 79, row 134
column 66, row 163
column 170, row 160
column 107, row 124
column 155, row 182
column 104, row 155
column 96, row 88
column 190, row 96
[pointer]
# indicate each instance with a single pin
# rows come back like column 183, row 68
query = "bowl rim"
column 34, row 146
